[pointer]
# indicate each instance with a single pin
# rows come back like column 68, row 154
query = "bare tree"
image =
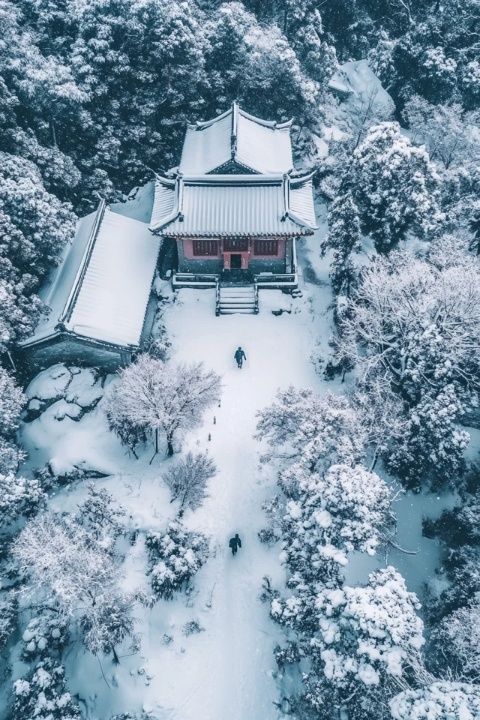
column 187, row 480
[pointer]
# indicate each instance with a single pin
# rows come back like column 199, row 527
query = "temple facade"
column 232, row 209
column 235, row 204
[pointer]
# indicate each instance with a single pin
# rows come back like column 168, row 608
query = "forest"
column 94, row 100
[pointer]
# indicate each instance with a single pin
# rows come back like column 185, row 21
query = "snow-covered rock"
column 50, row 383
column 356, row 82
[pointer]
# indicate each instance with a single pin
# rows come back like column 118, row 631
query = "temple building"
column 232, row 211
column 235, row 205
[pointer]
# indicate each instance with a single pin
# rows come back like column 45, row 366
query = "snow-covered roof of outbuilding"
column 101, row 289
column 233, row 205
column 258, row 146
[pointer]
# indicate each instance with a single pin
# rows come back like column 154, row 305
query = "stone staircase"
column 236, row 299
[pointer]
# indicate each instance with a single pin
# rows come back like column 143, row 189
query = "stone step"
column 238, row 305
column 237, row 293
column 237, row 311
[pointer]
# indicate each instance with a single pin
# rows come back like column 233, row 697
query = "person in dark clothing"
column 239, row 356
column 234, row 543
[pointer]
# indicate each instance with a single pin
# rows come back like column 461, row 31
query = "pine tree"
column 396, row 187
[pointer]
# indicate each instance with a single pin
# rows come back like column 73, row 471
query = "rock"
column 65, row 409
column 84, row 389
column 50, row 384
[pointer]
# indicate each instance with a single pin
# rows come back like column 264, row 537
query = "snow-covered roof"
column 101, row 289
column 257, row 145
column 233, row 205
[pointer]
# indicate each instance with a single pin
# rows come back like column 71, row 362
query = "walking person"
column 239, row 356
column 234, row 543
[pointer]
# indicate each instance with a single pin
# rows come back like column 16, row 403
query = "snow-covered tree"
column 343, row 238
column 188, row 478
column 255, row 64
column 34, row 224
column 175, row 555
column 455, row 643
column 158, row 396
column 368, row 640
column 64, row 565
column 382, row 414
column 433, row 442
column 318, row 430
column 329, row 515
column 10, row 457
column 442, row 700
column 19, row 496
column 102, row 520
column 415, row 328
column 108, row 625
column 396, row 187
column 414, row 323
column 462, row 569
column 19, row 309
column 43, row 695
column 302, row 24
column 8, row 617
column 12, row 401
column 448, row 133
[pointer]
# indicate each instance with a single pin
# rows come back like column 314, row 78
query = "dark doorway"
column 235, row 262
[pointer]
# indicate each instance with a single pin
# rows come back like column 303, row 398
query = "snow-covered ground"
column 227, row 669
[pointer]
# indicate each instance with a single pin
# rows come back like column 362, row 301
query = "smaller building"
column 99, row 298
column 235, row 205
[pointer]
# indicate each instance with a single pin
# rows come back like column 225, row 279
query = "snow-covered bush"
column 45, row 635
column 188, row 478
column 319, row 431
column 43, row 695
column 175, row 555
column 441, row 700
column 155, row 396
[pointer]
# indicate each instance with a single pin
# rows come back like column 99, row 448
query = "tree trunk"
column 169, row 445
column 54, row 134
column 116, row 659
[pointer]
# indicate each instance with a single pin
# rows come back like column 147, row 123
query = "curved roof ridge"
column 273, row 124
column 202, row 124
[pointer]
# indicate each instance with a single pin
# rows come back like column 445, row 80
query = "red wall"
column 188, row 250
